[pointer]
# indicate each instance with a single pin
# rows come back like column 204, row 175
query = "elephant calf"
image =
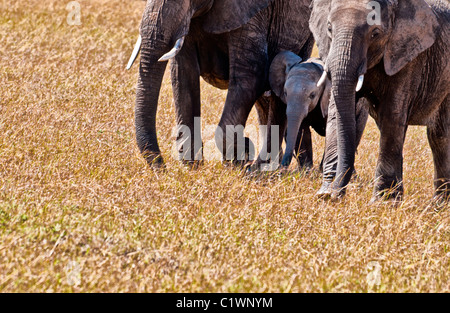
column 301, row 87
column 295, row 83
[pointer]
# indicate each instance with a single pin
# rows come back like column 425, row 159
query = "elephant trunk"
column 151, row 74
column 159, row 35
column 346, row 66
column 294, row 120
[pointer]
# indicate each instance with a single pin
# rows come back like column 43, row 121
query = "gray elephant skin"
column 230, row 43
column 401, row 66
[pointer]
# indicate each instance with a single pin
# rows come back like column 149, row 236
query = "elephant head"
column 353, row 37
column 165, row 23
column 296, row 84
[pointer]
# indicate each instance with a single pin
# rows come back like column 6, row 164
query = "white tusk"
column 135, row 53
column 322, row 79
column 172, row 53
column 360, row 83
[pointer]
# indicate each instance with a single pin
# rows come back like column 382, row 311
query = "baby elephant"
column 295, row 83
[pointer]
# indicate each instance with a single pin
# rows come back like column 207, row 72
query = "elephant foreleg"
column 272, row 134
column 303, row 148
column 185, row 74
column 262, row 107
column 389, row 170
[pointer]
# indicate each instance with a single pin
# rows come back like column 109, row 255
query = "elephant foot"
column 154, row 159
column 250, row 168
column 283, row 170
column 325, row 191
column 328, row 192
column 441, row 200
column 306, row 168
column 355, row 177
column 394, row 196
column 193, row 165
column 239, row 165
column 338, row 194
column 254, row 169
column 388, row 190
column 261, row 166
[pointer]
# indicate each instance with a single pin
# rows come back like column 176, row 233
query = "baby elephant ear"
column 415, row 29
column 279, row 70
column 325, row 91
column 325, row 99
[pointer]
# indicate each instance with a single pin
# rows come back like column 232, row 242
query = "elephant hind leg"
column 262, row 107
column 439, row 139
column 248, row 76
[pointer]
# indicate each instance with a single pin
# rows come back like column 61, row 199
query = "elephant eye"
column 330, row 28
column 312, row 95
column 375, row 33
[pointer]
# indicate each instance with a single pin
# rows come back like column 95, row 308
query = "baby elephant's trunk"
column 294, row 120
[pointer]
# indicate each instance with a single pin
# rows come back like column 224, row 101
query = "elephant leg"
column 248, row 75
column 272, row 134
column 262, row 107
column 389, row 170
column 321, row 162
column 276, row 130
column 439, row 139
column 185, row 74
column 303, row 148
column 362, row 115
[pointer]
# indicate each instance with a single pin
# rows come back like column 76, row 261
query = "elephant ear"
column 325, row 99
column 326, row 90
column 318, row 24
column 279, row 70
column 415, row 29
column 228, row 15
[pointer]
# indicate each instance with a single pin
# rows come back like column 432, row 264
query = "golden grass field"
column 80, row 210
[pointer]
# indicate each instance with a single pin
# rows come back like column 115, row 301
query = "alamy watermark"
column 74, row 16
column 374, row 17
column 73, row 273
column 374, row 276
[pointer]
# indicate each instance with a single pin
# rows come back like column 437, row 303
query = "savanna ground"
column 80, row 211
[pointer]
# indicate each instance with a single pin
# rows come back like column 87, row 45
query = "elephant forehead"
column 299, row 84
column 305, row 72
column 355, row 9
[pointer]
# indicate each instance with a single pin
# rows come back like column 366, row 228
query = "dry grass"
column 73, row 187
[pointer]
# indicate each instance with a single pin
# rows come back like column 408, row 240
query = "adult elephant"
column 230, row 43
column 396, row 54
